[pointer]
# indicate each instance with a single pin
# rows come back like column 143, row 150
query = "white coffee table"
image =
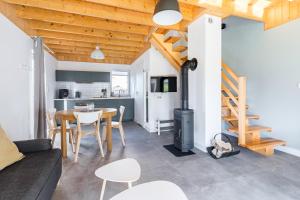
column 122, row 171
column 156, row 190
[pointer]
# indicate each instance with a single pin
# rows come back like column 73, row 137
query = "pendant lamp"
column 97, row 54
column 167, row 13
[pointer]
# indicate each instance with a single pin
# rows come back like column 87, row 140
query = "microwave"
column 63, row 93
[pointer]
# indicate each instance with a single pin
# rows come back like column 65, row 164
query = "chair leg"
column 71, row 140
column 53, row 138
column 122, row 134
column 77, row 146
column 104, row 133
column 100, row 143
column 102, row 190
column 50, row 134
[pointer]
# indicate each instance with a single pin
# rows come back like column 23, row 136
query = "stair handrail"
column 230, row 71
column 234, row 84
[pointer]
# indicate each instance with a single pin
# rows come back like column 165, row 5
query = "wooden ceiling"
column 122, row 28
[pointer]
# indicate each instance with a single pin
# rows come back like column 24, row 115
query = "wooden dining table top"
column 69, row 114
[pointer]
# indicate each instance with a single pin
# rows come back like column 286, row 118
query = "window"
column 120, row 83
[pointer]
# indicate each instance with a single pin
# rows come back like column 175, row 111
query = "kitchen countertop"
column 96, row 98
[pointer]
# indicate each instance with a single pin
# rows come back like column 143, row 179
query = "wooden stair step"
column 184, row 55
column 265, row 143
column 225, row 106
column 161, row 31
column 180, row 45
column 172, row 36
column 226, row 97
column 234, row 118
column 251, row 129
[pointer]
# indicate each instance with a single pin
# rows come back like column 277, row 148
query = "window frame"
column 128, row 82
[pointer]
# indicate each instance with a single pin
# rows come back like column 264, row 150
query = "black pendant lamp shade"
column 167, row 13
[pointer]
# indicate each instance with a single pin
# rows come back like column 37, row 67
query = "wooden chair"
column 53, row 129
column 117, row 125
column 85, row 126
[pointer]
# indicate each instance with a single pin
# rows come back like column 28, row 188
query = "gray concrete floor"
column 247, row 176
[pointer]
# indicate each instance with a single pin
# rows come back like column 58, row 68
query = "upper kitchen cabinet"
column 82, row 76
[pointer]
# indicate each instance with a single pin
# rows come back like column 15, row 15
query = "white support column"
column 204, row 43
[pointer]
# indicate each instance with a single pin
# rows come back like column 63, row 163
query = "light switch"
column 25, row 67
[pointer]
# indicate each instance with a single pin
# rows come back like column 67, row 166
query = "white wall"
column 161, row 105
column 85, row 66
column 15, row 74
column 16, row 81
column 270, row 60
column 205, row 82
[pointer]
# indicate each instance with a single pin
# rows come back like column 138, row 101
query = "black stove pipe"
column 192, row 65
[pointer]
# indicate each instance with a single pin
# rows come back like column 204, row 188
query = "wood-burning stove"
column 184, row 117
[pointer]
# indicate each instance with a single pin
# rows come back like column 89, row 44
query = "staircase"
column 172, row 44
column 234, row 113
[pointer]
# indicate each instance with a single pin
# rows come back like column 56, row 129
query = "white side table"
column 156, row 190
column 122, row 171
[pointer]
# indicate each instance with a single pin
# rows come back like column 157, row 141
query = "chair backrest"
column 121, row 110
column 50, row 117
column 88, row 117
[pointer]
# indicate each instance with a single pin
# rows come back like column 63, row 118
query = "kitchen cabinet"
column 82, row 76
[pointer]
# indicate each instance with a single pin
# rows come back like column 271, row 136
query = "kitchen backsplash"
column 88, row 90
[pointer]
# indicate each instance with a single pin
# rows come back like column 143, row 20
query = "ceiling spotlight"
column 167, row 13
column 97, row 54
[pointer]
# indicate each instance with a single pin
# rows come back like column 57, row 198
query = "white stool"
column 121, row 171
column 156, row 190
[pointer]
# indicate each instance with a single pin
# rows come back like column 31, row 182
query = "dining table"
column 65, row 116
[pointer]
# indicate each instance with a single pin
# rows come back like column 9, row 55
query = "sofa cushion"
column 9, row 152
column 26, row 179
column 31, row 146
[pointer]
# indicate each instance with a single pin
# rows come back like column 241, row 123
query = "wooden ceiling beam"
column 90, row 39
column 9, row 11
column 40, row 25
column 106, row 54
column 91, row 9
column 146, row 6
column 61, row 42
column 85, row 49
column 84, row 58
column 26, row 12
column 281, row 12
column 227, row 9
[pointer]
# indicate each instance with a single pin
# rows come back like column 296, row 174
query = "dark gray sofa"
column 35, row 176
